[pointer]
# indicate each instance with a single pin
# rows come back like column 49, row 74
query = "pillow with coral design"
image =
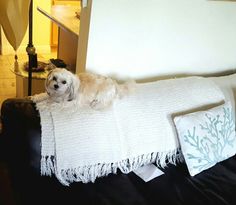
column 206, row 137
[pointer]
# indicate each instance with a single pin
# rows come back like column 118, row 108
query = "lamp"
column 14, row 19
column 30, row 49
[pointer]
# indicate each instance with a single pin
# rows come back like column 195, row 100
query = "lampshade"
column 14, row 17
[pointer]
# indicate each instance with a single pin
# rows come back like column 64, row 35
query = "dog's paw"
column 38, row 97
column 94, row 103
column 97, row 105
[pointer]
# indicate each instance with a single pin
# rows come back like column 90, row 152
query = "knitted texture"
column 82, row 144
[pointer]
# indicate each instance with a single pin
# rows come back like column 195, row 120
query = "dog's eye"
column 54, row 78
column 63, row 82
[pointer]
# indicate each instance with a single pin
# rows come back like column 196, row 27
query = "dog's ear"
column 74, row 87
column 47, row 81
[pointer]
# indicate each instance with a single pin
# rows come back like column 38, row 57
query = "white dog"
column 88, row 89
column 61, row 85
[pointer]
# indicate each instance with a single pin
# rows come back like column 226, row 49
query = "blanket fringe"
column 47, row 165
column 90, row 173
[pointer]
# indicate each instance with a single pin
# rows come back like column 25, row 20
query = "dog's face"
column 62, row 84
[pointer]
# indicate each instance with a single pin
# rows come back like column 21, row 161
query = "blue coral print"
column 212, row 147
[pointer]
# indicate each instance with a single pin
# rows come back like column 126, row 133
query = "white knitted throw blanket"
column 81, row 144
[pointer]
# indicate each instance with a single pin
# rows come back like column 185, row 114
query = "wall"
column 41, row 31
column 147, row 38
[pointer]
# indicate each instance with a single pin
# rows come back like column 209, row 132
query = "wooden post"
column 83, row 37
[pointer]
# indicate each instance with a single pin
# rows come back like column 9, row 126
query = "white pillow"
column 206, row 137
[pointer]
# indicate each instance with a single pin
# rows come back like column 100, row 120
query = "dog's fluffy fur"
column 88, row 89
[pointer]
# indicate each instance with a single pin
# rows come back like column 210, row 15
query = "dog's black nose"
column 56, row 86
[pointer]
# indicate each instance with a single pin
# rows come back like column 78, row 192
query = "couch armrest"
column 21, row 132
